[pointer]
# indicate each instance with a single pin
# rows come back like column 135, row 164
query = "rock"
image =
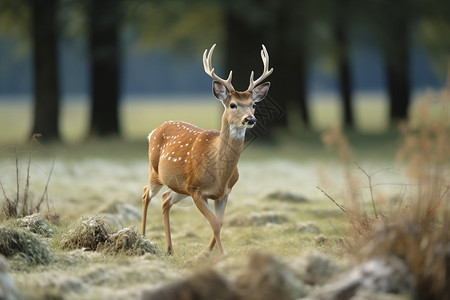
column 257, row 219
column 112, row 220
column 286, row 197
column 8, row 289
column 204, row 285
column 315, row 268
column 36, row 224
column 128, row 213
column 380, row 275
column 267, row 278
column 308, row 227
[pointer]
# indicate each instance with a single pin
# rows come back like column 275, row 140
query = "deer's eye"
column 232, row 105
column 254, row 106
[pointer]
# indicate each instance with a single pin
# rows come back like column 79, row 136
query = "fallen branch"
column 329, row 197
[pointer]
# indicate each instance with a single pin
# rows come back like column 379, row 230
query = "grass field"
column 98, row 177
column 139, row 117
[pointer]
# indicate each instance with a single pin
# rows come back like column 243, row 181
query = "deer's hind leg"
column 219, row 211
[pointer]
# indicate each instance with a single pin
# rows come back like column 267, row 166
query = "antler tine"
column 266, row 72
column 207, row 65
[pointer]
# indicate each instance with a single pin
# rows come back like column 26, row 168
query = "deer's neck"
column 230, row 144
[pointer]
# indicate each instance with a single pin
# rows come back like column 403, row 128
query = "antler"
column 210, row 70
column 266, row 72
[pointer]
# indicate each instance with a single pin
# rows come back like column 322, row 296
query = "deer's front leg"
column 219, row 207
column 149, row 192
column 203, row 206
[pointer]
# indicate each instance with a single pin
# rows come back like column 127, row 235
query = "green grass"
column 139, row 118
column 91, row 176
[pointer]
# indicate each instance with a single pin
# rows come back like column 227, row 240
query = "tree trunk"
column 243, row 47
column 398, row 80
column 104, row 47
column 344, row 76
column 45, row 63
column 396, row 55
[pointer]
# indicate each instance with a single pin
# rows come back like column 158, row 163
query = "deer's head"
column 239, row 106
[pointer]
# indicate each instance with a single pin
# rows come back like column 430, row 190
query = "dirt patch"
column 24, row 245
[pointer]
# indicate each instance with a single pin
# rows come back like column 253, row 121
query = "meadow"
column 276, row 207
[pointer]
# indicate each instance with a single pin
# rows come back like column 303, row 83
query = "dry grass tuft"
column 127, row 242
column 22, row 204
column 416, row 230
column 24, row 245
column 37, row 224
column 96, row 234
column 87, row 234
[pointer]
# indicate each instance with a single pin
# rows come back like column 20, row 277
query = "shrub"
column 416, row 230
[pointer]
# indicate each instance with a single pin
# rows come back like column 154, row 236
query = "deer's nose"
column 250, row 120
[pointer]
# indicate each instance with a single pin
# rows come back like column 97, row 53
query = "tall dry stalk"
column 418, row 230
column 21, row 205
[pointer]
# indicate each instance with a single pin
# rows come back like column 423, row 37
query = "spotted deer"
column 200, row 163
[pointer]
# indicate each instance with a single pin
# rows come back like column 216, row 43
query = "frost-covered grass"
column 274, row 207
column 87, row 183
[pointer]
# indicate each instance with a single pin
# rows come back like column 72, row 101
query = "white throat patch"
column 237, row 132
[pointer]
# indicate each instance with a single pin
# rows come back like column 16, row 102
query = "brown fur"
column 199, row 163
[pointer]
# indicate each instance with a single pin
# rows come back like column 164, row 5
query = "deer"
column 200, row 163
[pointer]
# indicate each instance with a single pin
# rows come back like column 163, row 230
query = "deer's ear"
column 260, row 92
column 220, row 91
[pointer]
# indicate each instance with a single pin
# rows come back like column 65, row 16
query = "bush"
column 416, row 230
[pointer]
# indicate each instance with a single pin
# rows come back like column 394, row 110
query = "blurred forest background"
column 109, row 50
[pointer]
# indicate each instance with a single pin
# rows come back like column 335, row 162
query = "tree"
column 389, row 22
column 396, row 50
column 248, row 24
column 45, row 72
column 342, row 15
column 104, row 53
